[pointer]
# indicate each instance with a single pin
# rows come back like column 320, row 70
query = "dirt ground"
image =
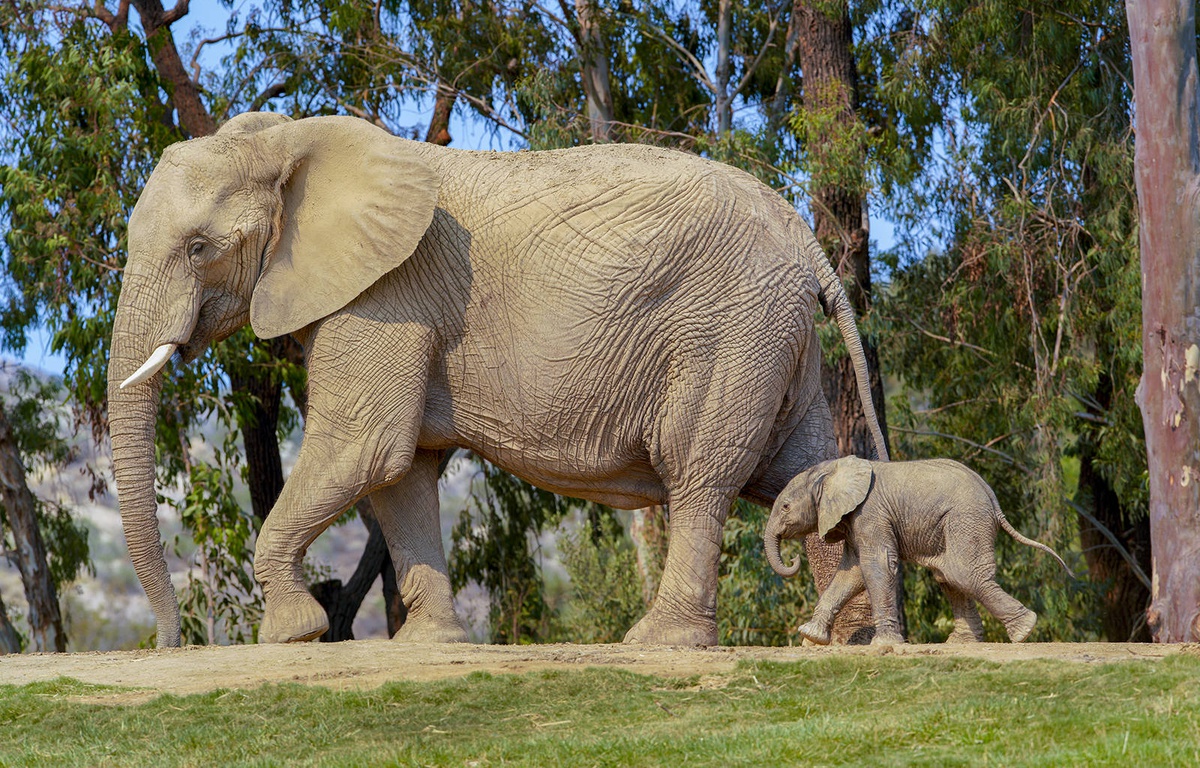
column 370, row 663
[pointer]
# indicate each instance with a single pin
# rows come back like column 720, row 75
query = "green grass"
column 832, row 711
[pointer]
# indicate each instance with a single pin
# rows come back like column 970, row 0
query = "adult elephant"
column 625, row 324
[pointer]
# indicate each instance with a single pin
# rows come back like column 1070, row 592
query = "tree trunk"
column 1167, row 172
column 259, row 425
column 45, row 620
column 723, row 101
column 342, row 602
column 194, row 118
column 824, row 39
column 1125, row 597
column 593, row 60
column 439, row 124
column 10, row 642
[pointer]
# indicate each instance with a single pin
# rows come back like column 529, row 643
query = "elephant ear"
column 355, row 203
column 842, row 490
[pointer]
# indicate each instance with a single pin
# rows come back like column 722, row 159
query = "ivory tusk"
column 158, row 358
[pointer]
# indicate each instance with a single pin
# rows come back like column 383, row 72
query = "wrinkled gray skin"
column 935, row 513
column 625, row 324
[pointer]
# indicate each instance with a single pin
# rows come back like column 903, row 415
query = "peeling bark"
column 1167, row 171
column 439, row 124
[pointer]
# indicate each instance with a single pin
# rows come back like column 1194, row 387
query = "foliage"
column 36, row 415
column 606, row 591
column 497, row 542
column 221, row 601
column 829, row 710
column 756, row 606
column 1013, row 317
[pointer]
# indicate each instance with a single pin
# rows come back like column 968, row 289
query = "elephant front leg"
column 846, row 585
column 323, row 484
column 408, row 513
column 685, row 610
column 881, row 570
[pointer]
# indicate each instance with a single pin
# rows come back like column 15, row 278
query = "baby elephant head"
column 817, row 500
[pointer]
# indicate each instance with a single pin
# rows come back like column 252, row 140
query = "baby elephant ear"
column 842, row 490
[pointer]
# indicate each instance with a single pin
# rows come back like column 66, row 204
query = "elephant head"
column 268, row 221
column 817, row 500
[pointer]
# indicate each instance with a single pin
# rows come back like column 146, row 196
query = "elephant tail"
column 1007, row 526
column 837, row 305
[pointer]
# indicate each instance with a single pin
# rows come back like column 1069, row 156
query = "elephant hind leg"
column 408, row 514
column 1018, row 620
column 968, row 627
column 685, row 609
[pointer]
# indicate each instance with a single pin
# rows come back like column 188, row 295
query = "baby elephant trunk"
column 771, row 543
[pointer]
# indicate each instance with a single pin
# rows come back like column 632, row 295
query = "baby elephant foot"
column 429, row 630
column 295, row 619
column 887, row 638
column 1020, row 627
column 815, row 631
column 655, row 628
column 963, row 636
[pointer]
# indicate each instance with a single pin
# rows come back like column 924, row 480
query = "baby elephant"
column 935, row 513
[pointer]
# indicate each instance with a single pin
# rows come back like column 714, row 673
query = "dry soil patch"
column 370, row 663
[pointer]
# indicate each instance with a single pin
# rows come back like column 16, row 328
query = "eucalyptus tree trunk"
column 593, row 58
column 723, row 101
column 9, row 641
column 45, row 620
column 830, row 91
column 1167, row 171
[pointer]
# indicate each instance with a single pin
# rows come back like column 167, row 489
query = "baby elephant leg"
column 968, row 627
column 846, row 585
column 1017, row 619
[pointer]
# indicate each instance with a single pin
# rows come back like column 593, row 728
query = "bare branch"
column 270, row 92
column 1121, row 550
column 1008, row 458
column 750, row 70
column 175, row 14
column 119, row 20
column 698, row 70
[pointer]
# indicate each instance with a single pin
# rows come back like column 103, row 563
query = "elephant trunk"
column 837, row 305
column 132, row 412
column 771, row 543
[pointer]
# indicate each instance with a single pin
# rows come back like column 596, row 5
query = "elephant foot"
column 418, row 630
column 1020, row 627
column 815, row 631
column 656, row 629
column 298, row 619
column 962, row 636
column 887, row 638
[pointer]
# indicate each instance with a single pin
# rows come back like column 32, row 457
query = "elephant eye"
column 196, row 247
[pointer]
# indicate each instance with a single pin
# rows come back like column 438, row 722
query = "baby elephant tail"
column 1007, row 526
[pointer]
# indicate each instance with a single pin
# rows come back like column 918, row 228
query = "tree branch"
column 979, row 446
column 175, row 14
column 120, row 20
column 1121, row 550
